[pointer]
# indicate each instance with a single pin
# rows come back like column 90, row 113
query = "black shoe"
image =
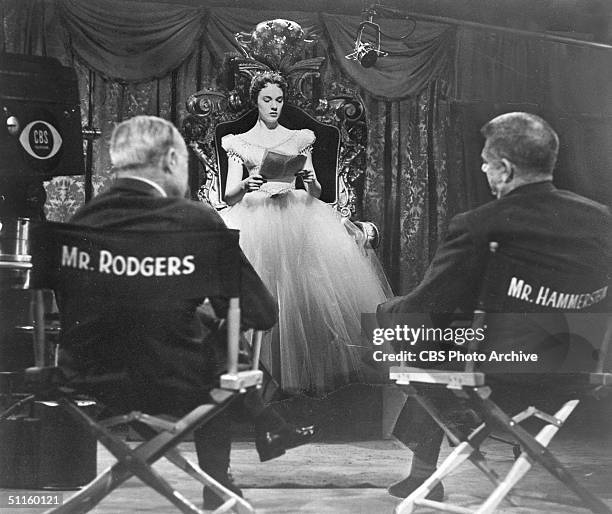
column 273, row 444
column 212, row 500
column 406, row 487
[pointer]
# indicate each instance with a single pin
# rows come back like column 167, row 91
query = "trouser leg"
column 213, row 440
column 213, row 444
column 417, row 430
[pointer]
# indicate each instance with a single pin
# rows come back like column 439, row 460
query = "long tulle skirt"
column 323, row 281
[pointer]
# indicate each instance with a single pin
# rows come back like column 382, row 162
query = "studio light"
column 367, row 52
column 367, row 41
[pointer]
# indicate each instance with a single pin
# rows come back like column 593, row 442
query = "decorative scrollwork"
column 277, row 44
column 282, row 46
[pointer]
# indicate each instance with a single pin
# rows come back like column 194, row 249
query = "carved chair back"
column 334, row 111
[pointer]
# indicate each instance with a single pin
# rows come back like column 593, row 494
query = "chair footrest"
column 242, row 380
column 452, row 379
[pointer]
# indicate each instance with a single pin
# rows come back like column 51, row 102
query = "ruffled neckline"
column 288, row 138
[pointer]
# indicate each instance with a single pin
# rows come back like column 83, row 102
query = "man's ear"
column 169, row 160
column 508, row 173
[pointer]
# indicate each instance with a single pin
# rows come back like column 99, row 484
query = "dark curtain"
column 406, row 176
column 568, row 85
column 409, row 175
column 412, row 64
column 585, row 153
column 131, row 44
column 506, row 68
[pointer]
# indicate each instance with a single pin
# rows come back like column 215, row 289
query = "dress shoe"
column 273, row 443
column 406, row 487
column 212, row 500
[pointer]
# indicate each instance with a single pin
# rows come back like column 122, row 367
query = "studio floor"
column 351, row 477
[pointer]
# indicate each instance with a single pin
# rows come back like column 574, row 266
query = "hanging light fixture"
column 367, row 48
column 367, row 52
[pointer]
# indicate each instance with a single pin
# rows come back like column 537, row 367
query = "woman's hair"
column 261, row 80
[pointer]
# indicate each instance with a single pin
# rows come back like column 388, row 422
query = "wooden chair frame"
column 161, row 436
column 472, row 385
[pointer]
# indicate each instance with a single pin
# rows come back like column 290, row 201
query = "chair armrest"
column 452, row 379
column 242, row 380
column 45, row 376
column 370, row 233
column 601, row 379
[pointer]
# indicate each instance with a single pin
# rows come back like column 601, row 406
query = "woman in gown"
column 304, row 252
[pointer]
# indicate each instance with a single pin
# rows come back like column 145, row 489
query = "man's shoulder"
column 127, row 211
column 584, row 202
column 537, row 217
column 560, row 200
column 193, row 212
column 475, row 215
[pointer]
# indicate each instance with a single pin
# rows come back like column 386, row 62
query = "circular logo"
column 40, row 139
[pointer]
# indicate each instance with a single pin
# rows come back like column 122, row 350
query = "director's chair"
column 508, row 298
column 151, row 271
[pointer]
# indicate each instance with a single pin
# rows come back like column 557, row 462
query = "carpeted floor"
column 351, row 477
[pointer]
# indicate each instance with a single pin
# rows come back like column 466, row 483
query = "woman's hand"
column 308, row 176
column 310, row 181
column 253, row 183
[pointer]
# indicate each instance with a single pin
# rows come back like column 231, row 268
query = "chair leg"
column 109, row 480
column 459, row 455
column 150, row 428
column 142, row 470
column 463, row 451
column 475, row 439
column 88, row 497
column 524, row 463
column 539, row 453
column 241, row 505
column 137, row 462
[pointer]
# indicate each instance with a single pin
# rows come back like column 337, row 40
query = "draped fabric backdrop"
column 425, row 101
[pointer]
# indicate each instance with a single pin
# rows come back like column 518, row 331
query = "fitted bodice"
column 252, row 155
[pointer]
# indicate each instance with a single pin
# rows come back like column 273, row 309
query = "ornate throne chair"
column 337, row 117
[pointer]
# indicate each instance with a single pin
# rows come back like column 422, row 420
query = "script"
column 277, row 165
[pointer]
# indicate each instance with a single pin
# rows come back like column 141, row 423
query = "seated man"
column 171, row 362
column 556, row 226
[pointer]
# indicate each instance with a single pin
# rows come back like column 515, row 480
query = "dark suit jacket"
column 561, row 229
column 166, row 354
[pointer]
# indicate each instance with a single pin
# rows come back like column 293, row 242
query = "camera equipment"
column 40, row 136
